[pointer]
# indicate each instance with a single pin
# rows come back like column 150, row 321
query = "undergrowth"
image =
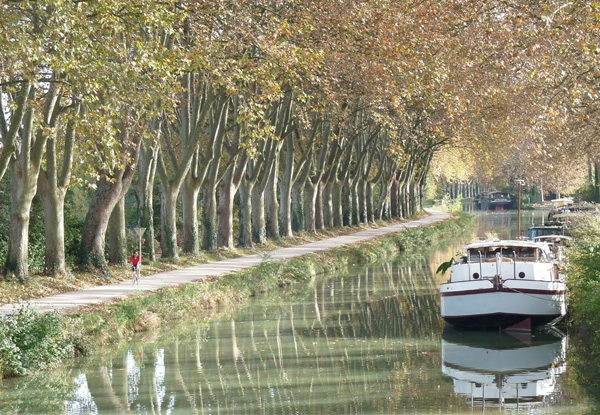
column 583, row 259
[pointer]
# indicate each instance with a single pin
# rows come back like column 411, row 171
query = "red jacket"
column 135, row 260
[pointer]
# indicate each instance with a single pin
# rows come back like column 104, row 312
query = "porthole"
column 521, row 274
column 475, row 275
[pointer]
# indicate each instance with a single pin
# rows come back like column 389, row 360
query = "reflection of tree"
column 388, row 300
column 101, row 386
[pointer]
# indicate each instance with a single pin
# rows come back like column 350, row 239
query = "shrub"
column 32, row 341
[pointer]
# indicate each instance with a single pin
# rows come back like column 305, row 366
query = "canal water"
column 367, row 341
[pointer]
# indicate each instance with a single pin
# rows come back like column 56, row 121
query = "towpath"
column 71, row 300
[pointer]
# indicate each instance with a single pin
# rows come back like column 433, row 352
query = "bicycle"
column 136, row 273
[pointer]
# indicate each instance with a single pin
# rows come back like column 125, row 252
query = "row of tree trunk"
column 462, row 188
column 305, row 173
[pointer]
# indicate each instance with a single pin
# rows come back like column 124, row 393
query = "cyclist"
column 136, row 265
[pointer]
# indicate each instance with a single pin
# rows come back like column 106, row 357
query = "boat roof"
column 552, row 237
column 549, row 225
column 508, row 242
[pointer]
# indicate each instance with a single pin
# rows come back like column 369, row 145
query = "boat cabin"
column 511, row 250
column 509, row 259
column 549, row 228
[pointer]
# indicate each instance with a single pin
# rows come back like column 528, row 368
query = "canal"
column 367, row 341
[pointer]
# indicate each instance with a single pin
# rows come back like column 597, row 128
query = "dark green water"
column 369, row 341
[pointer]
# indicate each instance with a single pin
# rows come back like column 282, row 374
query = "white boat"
column 504, row 284
column 497, row 369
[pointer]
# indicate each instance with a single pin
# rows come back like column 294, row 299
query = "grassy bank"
column 30, row 342
column 584, row 303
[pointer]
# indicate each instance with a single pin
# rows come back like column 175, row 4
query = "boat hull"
column 486, row 304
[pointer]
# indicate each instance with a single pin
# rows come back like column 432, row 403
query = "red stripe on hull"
column 502, row 290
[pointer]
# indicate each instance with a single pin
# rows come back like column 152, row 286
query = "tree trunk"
column 404, row 200
column 54, row 231
column 401, row 199
column 336, row 203
column 245, row 198
column 285, row 189
column 147, row 222
column 259, row 225
column 384, row 200
column 327, row 200
column 271, row 203
column 96, row 222
column 394, row 202
column 355, row 204
column 370, row 207
column 209, row 217
column 117, row 247
column 111, row 187
column 422, row 184
column 227, row 191
column 297, row 208
column 319, row 216
column 189, row 203
column 23, row 187
column 310, row 212
column 168, row 221
column 21, row 197
column 144, row 192
column 346, row 206
column 52, row 189
column 362, row 202
column 412, row 198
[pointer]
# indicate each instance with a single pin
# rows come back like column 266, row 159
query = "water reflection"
column 503, row 224
column 504, row 369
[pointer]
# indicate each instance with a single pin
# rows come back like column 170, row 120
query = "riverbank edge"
column 80, row 332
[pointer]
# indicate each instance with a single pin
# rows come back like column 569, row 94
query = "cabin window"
column 487, row 254
column 475, row 275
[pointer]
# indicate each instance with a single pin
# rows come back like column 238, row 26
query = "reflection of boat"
column 494, row 368
column 494, row 200
column 503, row 284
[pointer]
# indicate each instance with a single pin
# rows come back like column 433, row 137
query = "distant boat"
column 494, row 200
column 504, row 284
column 549, row 228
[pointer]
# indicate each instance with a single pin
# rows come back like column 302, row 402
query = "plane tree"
column 133, row 74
